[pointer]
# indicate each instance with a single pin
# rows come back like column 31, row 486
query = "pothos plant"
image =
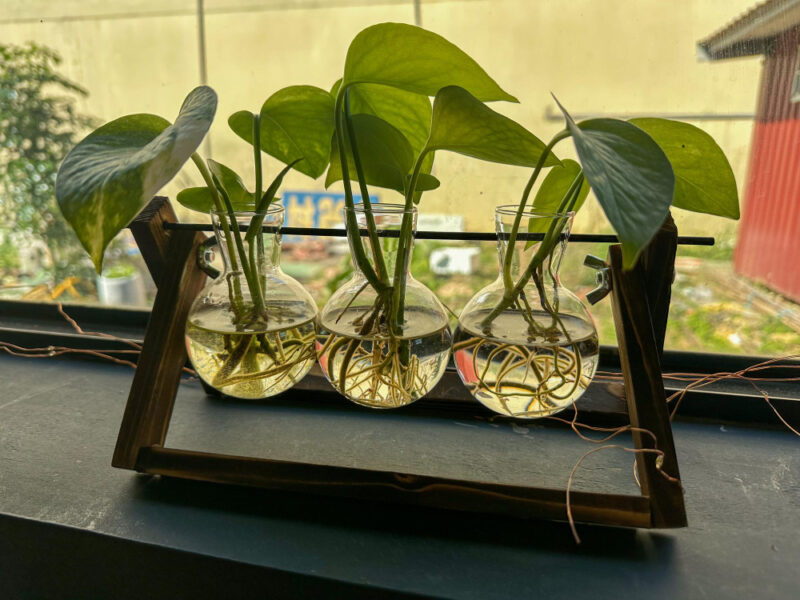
column 377, row 127
column 544, row 355
column 113, row 173
column 239, row 348
column 637, row 170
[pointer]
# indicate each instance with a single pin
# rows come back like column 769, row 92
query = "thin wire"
column 53, row 351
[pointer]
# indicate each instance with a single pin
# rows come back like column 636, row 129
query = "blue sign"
column 316, row 209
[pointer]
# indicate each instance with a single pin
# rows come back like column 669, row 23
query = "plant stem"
column 545, row 249
column 218, row 204
column 257, row 269
column 359, row 255
column 403, row 251
column 248, row 268
column 257, row 157
column 507, row 281
column 236, row 299
column 377, row 251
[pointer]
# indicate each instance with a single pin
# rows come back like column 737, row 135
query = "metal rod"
column 462, row 236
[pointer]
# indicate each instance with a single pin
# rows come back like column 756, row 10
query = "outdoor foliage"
column 39, row 124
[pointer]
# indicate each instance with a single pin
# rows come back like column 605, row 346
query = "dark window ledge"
column 73, row 527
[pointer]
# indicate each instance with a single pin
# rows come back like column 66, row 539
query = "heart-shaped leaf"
column 196, row 198
column 630, row 176
column 201, row 199
column 296, row 122
column 704, row 180
column 232, row 184
column 408, row 112
column 462, row 123
column 552, row 191
column 416, row 60
column 386, row 156
column 115, row 171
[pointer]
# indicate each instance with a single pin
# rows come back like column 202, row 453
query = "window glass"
column 70, row 65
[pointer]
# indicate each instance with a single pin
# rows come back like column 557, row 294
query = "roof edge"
column 745, row 36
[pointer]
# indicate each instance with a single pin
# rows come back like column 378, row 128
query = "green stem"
column 551, row 238
column 236, row 299
column 377, row 251
column 218, row 204
column 247, row 266
column 359, row 255
column 507, row 281
column 260, row 277
column 403, row 251
column 257, row 156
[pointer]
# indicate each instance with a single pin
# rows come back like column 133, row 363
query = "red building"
column 768, row 248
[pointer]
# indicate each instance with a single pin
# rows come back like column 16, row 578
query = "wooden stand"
column 171, row 258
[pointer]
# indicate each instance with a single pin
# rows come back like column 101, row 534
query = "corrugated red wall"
column 768, row 249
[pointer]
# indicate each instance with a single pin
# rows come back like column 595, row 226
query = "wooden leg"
column 658, row 262
column 163, row 356
column 644, row 390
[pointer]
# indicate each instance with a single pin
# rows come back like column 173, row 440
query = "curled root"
column 548, row 380
column 377, row 371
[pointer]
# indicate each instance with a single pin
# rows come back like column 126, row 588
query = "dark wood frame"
column 640, row 300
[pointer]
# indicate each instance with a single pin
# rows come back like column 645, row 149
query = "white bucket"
column 121, row 291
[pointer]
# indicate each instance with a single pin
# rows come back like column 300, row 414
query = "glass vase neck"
column 263, row 249
column 541, row 237
column 386, row 220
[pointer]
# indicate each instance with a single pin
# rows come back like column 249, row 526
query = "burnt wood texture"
column 171, row 255
column 170, row 259
column 640, row 347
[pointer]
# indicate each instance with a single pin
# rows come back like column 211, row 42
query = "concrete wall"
column 597, row 56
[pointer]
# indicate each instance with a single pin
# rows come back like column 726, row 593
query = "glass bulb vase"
column 375, row 348
column 526, row 346
column 251, row 332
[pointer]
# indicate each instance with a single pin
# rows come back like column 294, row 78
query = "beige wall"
column 597, row 56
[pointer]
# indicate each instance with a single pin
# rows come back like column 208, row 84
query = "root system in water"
column 526, row 373
column 380, row 370
column 251, row 365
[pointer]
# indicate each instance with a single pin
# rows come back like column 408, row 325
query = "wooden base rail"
column 640, row 301
column 365, row 484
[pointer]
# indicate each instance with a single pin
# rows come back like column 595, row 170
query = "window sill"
column 104, row 532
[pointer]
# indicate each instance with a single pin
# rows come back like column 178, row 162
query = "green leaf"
column 268, row 198
column 233, row 186
column 201, row 199
column 115, row 171
column 386, row 156
column 704, row 180
column 462, row 123
column 408, row 112
column 196, row 198
column 630, row 176
column 416, row 60
column 296, row 122
column 552, row 191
